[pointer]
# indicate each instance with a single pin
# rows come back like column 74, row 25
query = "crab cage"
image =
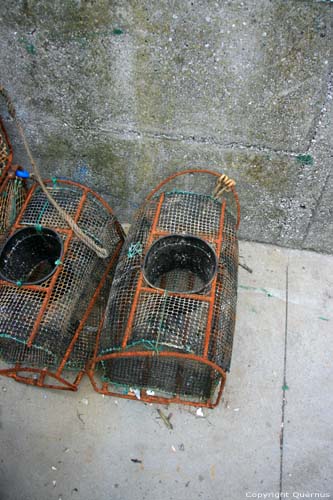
column 168, row 329
column 12, row 187
column 53, row 288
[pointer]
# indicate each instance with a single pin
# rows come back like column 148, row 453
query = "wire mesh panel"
column 53, row 288
column 12, row 196
column 169, row 323
column 12, row 188
column 6, row 153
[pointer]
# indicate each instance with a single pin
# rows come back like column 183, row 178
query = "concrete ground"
column 271, row 434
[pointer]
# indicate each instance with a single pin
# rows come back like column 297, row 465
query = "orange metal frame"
column 8, row 173
column 9, row 170
column 10, row 155
column 141, row 287
column 63, row 384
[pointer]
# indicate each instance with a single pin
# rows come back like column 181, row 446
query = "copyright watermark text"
column 287, row 494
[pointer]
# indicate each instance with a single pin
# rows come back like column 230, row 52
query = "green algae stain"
column 29, row 47
column 69, row 19
column 117, row 31
column 56, row 148
column 304, row 159
column 109, row 170
column 257, row 289
column 264, row 173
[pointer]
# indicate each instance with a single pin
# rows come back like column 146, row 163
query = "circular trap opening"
column 30, row 256
column 180, row 263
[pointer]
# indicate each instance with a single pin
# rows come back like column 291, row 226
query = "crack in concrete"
column 314, row 211
column 323, row 110
column 187, row 139
column 284, row 387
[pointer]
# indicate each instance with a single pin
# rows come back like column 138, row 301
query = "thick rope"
column 89, row 242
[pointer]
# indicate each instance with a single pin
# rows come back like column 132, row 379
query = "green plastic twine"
column 134, row 249
column 165, row 296
column 41, row 213
column 12, row 213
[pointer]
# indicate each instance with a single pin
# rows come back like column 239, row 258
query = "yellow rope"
column 89, row 242
column 224, row 184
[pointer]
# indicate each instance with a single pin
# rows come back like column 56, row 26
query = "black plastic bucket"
column 30, row 256
column 180, row 263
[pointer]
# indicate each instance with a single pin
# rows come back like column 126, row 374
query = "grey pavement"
column 271, row 433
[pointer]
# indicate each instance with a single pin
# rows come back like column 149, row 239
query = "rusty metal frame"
column 10, row 155
column 8, row 174
column 15, row 371
column 141, row 287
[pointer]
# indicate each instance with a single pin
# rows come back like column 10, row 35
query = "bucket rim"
column 48, row 230
column 185, row 236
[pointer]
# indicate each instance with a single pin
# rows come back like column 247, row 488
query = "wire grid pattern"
column 165, row 321
column 164, row 375
column 5, row 151
column 224, row 317
column 54, row 309
column 12, row 197
column 170, row 322
column 125, row 280
column 189, row 213
column 40, row 211
column 83, row 349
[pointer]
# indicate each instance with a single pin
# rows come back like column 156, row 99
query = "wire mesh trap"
column 12, row 188
column 169, row 323
column 6, row 153
column 53, row 287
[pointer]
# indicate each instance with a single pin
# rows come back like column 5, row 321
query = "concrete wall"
column 118, row 94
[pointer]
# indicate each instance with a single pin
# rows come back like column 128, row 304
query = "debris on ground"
column 79, row 416
column 247, row 268
column 199, row 413
column 136, row 392
column 165, row 419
